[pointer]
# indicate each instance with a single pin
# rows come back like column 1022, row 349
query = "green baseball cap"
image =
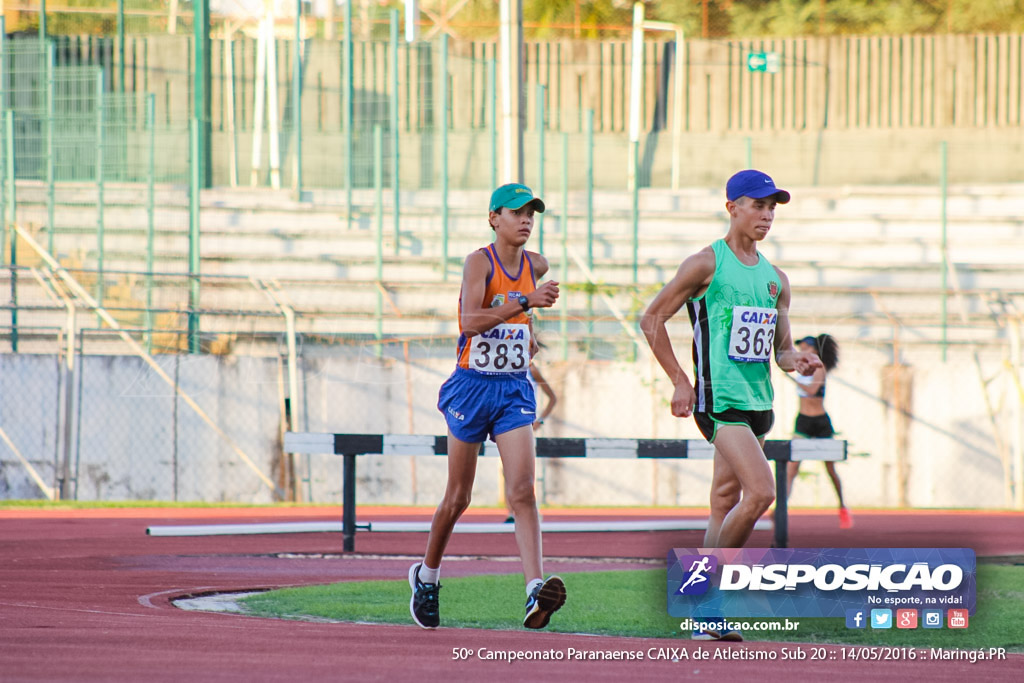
column 515, row 196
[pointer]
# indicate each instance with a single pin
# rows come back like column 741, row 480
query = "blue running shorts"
column 476, row 406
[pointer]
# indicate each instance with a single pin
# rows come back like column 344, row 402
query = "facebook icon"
column 855, row 618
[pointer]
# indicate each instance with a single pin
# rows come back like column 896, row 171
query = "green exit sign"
column 767, row 62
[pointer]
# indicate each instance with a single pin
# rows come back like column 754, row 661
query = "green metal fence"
column 290, row 109
column 397, row 117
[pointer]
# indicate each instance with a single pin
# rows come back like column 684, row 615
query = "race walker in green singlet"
column 734, row 334
column 738, row 305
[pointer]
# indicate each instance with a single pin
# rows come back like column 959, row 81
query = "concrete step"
column 301, row 219
column 891, row 210
column 656, row 263
column 898, row 203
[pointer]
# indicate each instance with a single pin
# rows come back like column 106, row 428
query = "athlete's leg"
column 518, row 458
column 737, row 446
column 830, row 467
column 462, row 459
column 725, row 494
column 792, row 468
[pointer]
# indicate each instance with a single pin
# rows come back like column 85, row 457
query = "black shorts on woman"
column 814, row 426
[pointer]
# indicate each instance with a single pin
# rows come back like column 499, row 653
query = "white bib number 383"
column 753, row 334
column 505, row 348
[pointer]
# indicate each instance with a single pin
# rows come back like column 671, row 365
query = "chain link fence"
column 30, row 425
column 96, row 406
column 128, row 432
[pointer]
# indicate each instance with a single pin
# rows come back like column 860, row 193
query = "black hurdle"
column 349, row 446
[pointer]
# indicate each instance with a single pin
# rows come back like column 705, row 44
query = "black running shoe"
column 423, row 604
column 543, row 602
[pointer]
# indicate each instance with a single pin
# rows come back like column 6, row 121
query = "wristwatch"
column 524, row 302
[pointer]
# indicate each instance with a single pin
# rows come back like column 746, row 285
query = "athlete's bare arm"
column 540, row 269
column 786, row 355
column 477, row 315
column 540, row 264
column 545, row 387
column 691, row 279
column 546, row 293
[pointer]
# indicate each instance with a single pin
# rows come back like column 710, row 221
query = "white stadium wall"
column 951, row 448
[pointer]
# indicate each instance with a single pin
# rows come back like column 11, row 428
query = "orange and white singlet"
column 505, row 348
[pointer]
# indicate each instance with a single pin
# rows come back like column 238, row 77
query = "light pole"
column 513, row 112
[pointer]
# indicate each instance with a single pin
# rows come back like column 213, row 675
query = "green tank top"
column 734, row 333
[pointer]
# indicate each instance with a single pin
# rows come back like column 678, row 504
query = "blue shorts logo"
column 696, row 579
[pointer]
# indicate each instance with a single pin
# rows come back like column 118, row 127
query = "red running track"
column 86, row 596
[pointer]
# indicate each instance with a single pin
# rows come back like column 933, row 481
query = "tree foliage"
column 780, row 18
column 595, row 19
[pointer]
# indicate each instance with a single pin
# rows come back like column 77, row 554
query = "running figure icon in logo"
column 696, row 582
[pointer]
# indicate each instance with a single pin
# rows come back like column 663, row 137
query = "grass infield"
column 632, row 603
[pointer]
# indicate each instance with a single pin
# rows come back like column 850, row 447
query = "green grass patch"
column 632, row 603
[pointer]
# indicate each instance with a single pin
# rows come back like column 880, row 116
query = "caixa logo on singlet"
column 697, row 578
column 510, row 332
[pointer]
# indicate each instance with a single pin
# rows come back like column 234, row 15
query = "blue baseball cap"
column 515, row 196
column 754, row 184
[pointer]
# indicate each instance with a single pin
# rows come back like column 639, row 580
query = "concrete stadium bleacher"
column 865, row 262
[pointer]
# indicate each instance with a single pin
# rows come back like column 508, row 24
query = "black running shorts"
column 759, row 421
column 814, row 426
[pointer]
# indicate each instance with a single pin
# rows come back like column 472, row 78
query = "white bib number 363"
column 505, row 348
column 753, row 334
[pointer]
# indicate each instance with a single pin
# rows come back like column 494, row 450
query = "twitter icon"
column 881, row 618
